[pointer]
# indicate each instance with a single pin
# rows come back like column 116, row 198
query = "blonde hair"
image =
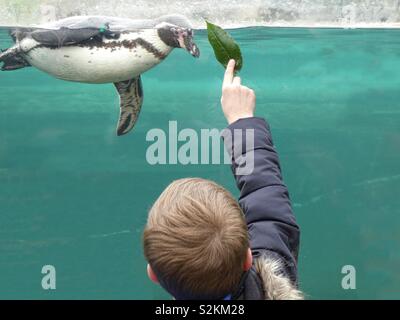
column 196, row 239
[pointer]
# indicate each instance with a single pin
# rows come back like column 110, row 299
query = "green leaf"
column 225, row 48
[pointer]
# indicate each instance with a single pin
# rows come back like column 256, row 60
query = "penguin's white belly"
column 96, row 64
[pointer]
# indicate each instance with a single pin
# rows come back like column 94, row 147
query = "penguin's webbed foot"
column 3, row 55
column 12, row 61
column 7, row 53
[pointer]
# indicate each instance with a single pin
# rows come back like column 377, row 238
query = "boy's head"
column 196, row 241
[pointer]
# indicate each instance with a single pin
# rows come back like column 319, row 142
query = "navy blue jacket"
column 264, row 197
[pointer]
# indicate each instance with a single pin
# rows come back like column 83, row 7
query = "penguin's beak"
column 186, row 42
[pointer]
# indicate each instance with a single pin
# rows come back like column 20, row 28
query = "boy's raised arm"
column 264, row 197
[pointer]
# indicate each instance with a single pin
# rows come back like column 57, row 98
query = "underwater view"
column 75, row 195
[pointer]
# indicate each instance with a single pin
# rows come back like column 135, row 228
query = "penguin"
column 99, row 49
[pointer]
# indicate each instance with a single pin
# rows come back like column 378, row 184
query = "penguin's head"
column 178, row 37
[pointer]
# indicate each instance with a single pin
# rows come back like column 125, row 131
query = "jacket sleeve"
column 264, row 198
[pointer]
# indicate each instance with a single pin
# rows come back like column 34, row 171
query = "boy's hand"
column 237, row 101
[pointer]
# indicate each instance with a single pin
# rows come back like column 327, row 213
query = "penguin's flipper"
column 64, row 36
column 131, row 101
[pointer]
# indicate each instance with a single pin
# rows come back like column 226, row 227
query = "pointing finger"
column 237, row 81
column 229, row 73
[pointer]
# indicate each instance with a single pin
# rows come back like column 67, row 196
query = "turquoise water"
column 75, row 196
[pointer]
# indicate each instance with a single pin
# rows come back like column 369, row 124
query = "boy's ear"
column 151, row 274
column 249, row 261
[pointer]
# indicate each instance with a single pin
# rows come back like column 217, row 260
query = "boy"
column 200, row 245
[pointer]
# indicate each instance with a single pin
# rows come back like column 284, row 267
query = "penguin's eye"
column 176, row 32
